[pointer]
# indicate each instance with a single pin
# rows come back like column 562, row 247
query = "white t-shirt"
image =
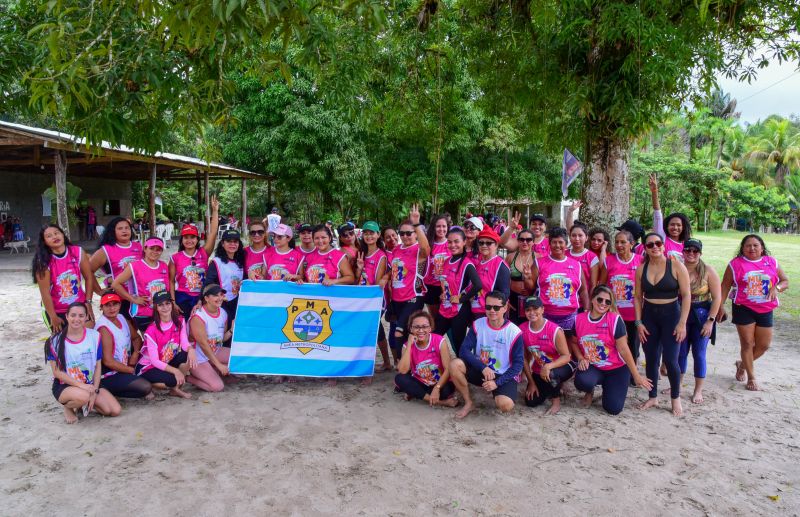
column 273, row 220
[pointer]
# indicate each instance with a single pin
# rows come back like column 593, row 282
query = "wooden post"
column 269, row 194
column 207, row 222
column 153, row 200
column 61, row 191
column 244, row 206
column 199, row 196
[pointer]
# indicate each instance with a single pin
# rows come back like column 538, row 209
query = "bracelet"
column 637, row 323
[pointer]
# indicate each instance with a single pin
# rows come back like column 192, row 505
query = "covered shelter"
column 32, row 159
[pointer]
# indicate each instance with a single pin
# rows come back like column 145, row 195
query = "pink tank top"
column 404, row 273
column 168, row 343
column 436, row 260
column 320, row 266
column 426, row 363
column 559, row 282
column 596, row 339
column 147, row 281
column 540, row 344
column 587, row 259
column 371, row 263
column 622, row 280
column 487, row 271
column 254, row 262
column 542, row 248
column 117, row 257
column 190, row 270
column 754, row 280
column 673, row 249
column 65, row 279
column 278, row 266
column 451, row 280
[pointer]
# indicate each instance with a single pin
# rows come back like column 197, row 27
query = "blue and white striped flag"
column 307, row 330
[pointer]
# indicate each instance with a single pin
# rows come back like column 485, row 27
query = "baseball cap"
column 231, row 235
column 346, row 227
column 282, row 229
column 489, row 233
column 110, row 297
column 631, row 225
column 305, row 227
column 161, row 296
column 476, row 222
column 213, row 289
column 533, row 301
column 154, row 242
column 371, row 226
column 538, row 217
column 693, row 243
column 189, row 229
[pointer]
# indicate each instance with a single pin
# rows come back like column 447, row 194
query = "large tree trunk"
column 62, row 216
column 152, row 207
column 606, row 189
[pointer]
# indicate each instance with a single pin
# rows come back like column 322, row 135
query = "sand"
column 304, row 448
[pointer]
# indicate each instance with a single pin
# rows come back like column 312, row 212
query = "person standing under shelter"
column 91, row 223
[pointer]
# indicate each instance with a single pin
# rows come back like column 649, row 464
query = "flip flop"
column 740, row 372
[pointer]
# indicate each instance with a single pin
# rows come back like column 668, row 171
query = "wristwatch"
column 96, row 391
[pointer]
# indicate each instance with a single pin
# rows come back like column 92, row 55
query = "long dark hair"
column 364, row 248
column 41, row 259
column 56, row 341
column 606, row 236
column 457, row 230
column 686, row 232
column 432, row 227
column 756, row 237
column 238, row 256
column 646, row 259
column 176, row 317
column 110, row 234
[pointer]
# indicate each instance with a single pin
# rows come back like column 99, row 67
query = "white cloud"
column 776, row 90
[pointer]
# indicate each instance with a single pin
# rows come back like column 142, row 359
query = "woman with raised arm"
column 227, row 270
column 674, row 230
column 590, row 264
column 371, row 269
column 538, row 226
column 437, row 237
column 521, row 260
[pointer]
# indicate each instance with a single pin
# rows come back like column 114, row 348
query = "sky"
column 775, row 90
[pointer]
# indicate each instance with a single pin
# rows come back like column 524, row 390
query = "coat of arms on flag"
column 308, row 325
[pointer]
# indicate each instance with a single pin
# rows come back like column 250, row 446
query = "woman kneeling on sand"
column 423, row 367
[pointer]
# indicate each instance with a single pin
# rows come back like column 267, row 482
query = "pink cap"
column 152, row 242
column 283, row 229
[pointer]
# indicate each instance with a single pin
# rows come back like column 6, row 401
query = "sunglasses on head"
column 525, row 239
column 654, row 244
column 603, row 301
column 253, row 233
column 485, row 243
column 494, row 307
column 405, row 234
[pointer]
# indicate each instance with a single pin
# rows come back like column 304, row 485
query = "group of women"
column 583, row 308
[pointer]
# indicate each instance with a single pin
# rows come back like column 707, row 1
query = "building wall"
column 21, row 196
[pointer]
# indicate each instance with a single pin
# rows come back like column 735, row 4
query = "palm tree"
column 778, row 145
column 733, row 152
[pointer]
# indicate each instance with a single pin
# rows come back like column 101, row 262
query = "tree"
column 755, row 203
column 778, row 145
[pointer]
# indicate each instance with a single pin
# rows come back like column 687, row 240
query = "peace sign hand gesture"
column 653, row 183
column 514, row 221
column 413, row 214
column 527, row 271
column 360, row 260
column 214, row 204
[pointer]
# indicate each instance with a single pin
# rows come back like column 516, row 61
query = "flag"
column 307, row 330
column 571, row 168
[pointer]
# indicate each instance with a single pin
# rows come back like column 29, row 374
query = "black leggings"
column 633, row 339
column 457, row 325
column 546, row 389
column 156, row 376
column 614, row 382
column 403, row 310
column 416, row 389
column 230, row 308
column 126, row 385
column 660, row 321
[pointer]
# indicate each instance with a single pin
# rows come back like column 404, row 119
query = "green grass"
column 720, row 247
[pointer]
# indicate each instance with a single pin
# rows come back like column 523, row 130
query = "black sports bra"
column 665, row 289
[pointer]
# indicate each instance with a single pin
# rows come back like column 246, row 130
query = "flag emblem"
column 308, row 325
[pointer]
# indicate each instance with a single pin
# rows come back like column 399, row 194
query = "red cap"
column 110, row 297
column 488, row 233
column 189, row 229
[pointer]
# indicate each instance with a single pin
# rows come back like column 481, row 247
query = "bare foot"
column 555, row 406
column 177, row 392
column 279, row 379
column 465, row 410
column 387, row 367
column 292, row 380
column 230, row 379
column 752, row 385
column 332, row 383
column 366, row 381
column 677, row 408
column 69, row 415
column 697, row 398
column 451, row 402
column 740, row 373
column 406, row 397
column 587, row 399
column 150, row 396
column 650, row 403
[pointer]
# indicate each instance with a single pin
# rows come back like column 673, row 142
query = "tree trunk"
column 62, row 217
column 199, row 196
column 606, row 191
column 244, row 206
column 152, row 211
column 207, row 221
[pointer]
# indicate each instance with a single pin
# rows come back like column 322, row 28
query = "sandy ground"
column 305, row 448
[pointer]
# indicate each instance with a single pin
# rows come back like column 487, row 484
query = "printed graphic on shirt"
column 539, row 357
column 623, row 290
column 757, row 286
column 446, row 291
column 559, row 289
column 437, row 264
column 277, row 272
column 236, row 283
column 399, row 273
column 489, row 358
column 316, row 274
column 155, row 286
column 169, row 351
column 594, row 350
column 194, row 278
column 68, row 283
column 428, row 372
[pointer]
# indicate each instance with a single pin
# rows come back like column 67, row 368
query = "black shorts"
column 61, row 315
column 509, row 389
column 433, row 296
column 746, row 316
column 58, row 388
column 142, row 322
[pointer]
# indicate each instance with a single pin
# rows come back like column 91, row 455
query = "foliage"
column 778, row 145
column 755, row 203
column 73, row 202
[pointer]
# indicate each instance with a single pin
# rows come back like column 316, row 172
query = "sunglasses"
column 420, row 327
column 257, row 232
column 603, row 301
column 486, row 243
column 470, row 227
column 194, row 262
column 495, row 308
column 525, row 239
column 653, row 244
column 348, row 234
column 405, row 234
column 691, row 250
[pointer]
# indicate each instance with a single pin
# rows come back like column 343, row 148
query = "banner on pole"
column 571, row 168
column 307, row 330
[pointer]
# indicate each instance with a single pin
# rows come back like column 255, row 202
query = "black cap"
column 161, row 296
column 632, row 226
column 533, row 301
column 305, row 227
column 213, row 289
column 693, row 243
column 538, row 217
column 231, row 235
column 274, row 209
column 346, row 227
